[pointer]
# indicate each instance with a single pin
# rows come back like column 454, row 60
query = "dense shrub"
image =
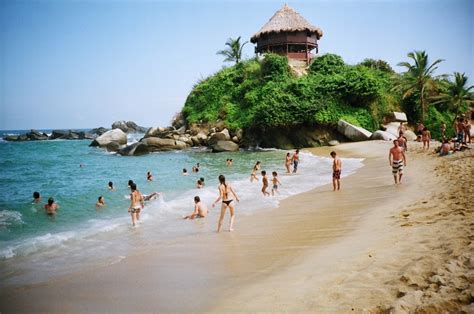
column 327, row 64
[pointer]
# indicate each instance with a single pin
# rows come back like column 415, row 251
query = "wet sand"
column 370, row 247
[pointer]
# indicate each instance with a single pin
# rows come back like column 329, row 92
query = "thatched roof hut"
column 288, row 33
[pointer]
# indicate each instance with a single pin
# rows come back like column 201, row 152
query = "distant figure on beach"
column 253, row 175
column 265, row 183
column 288, row 162
column 275, row 182
column 336, row 171
column 200, row 183
column 402, row 141
column 136, row 203
column 401, row 128
column 200, row 209
column 185, row 172
column 296, row 160
column 51, row 207
column 397, row 159
column 459, row 128
column 224, row 191
column 111, row 186
column 36, row 197
column 467, row 130
column 151, row 196
column 445, row 148
column 100, row 202
column 426, row 138
column 419, row 130
column 149, row 176
column 442, row 129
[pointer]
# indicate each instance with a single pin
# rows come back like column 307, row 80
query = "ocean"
column 35, row 247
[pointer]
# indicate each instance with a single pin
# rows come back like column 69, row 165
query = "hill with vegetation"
column 261, row 96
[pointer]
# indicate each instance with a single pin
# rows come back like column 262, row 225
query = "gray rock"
column 11, row 138
column 159, row 144
column 333, row 143
column 153, row 131
column 235, row 139
column 115, row 135
column 181, row 130
column 383, row 135
column 112, row 147
column 202, row 137
column 35, row 135
column 181, row 145
column 195, row 141
column 186, row 140
column 226, row 134
column 352, row 132
column 99, row 130
column 225, row 146
column 397, row 117
column 128, row 127
column 215, row 137
column 239, row 133
column 136, row 149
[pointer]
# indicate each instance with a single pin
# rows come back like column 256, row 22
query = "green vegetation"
column 234, row 50
column 266, row 94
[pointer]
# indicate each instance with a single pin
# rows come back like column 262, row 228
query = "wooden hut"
column 288, row 33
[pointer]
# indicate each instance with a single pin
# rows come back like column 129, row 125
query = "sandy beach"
column 371, row 247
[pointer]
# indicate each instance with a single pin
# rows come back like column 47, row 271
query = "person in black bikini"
column 224, row 190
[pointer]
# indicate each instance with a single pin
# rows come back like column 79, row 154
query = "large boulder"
column 216, row 137
column 226, row 134
column 333, row 143
column 225, row 146
column 99, row 131
column 136, row 149
column 112, row 147
column 115, row 135
column 181, row 145
column 352, row 132
column 11, row 138
column 159, row 144
column 392, row 128
column 59, row 134
column 397, row 117
column 382, row 135
column 202, row 138
column 35, row 135
column 128, row 127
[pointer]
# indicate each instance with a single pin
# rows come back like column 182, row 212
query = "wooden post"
column 307, row 54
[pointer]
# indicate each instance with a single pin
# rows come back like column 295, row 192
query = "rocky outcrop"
column 128, row 127
column 136, row 149
column 71, row 135
column 33, row 135
column 382, row 135
column 396, row 117
column 115, row 135
column 99, row 131
column 159, row 144
column 224, row 146
column 352, row 132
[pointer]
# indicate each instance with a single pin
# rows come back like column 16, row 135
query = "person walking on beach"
column 265, row 183
column 419, row 129
column 397, row 159
column 336, row 171
column 200, row 209
column 288, row 162
column 426, row 138
column 401, row 128
column 275, row 182
column 442, row 129
column 253, row 175
column 296, row 160
column 51, row 207
column 36, row 197
column 467, row 130
column 402, row 141
column 224, row 191
column 136, row 203
column 459, row 128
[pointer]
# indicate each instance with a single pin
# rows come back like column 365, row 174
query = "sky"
column 83, row 64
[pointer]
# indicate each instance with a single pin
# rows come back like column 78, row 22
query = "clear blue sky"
column 79, row 64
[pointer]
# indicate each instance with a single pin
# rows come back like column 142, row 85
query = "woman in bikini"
column 136, row 203
column 224, row 190
column 256, row 167
column 288, row 162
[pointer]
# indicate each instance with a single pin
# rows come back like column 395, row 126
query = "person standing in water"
column 336, row 171
column 296, row 160
column 149, row 176
column 253, row 175
column 36, row 197
column 265, row 183
column 275, row 183
column 224, row 191
column 100, row 202
column 51, row 207
column 136, row 203
column 288, row 162
column 397, row 159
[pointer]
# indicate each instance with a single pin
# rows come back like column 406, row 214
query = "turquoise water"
column 78, row 230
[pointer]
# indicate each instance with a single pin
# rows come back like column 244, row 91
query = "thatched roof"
column 286, row 20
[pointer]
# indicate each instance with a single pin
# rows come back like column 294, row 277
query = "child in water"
column 51, row 207
column 265, row 183
column 275, row 182
column 100, row 202
column 200, row 209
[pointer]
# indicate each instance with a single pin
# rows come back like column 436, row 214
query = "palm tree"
column 234, row 51
column 418, row 78
column 457, row 95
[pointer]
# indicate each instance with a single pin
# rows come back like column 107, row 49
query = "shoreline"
column 267, row 264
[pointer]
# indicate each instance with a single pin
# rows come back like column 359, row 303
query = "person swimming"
column 100, row 202
column 149, row 176
column 185, row 172
column 200, row 183
column 36, row 197
column 51, row 207
column 111, row 186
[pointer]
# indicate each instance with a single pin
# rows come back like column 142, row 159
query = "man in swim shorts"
column 200, row 209
column 336, row 171
column 397, row 159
